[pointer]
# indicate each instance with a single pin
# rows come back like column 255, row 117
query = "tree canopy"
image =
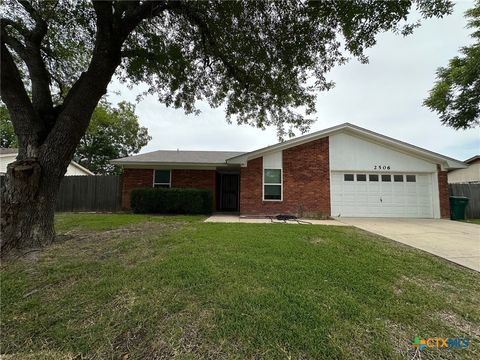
column 112, row 133
column 456, row 93
column 254, row 57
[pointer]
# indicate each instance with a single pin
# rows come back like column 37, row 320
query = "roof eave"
column 446, row 162
column 160, row 163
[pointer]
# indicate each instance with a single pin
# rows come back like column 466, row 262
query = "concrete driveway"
column 453, row 240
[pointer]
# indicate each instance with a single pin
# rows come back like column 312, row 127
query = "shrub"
column 171, row 201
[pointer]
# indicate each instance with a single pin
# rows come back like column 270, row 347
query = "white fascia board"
column 163, row 165
column 409, row 149
column 242, row 159
column 447, row 162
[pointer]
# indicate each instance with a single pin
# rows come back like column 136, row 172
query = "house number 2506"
column 381, row 167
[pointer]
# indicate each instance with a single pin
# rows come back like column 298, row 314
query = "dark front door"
column 229, row 186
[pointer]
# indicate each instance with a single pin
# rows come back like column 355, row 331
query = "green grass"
column 473, row 221
column 175, row 287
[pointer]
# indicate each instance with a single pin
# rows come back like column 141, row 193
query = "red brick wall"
column 443, row 193
column 306, row 182
column 134, row 178
column 138, row 178
column 196, row 179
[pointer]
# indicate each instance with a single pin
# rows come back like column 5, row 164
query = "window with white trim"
column 272, row 184
column 162, row 179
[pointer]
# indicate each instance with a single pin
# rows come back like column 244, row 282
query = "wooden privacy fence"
column 472, row 191
column 89, row 193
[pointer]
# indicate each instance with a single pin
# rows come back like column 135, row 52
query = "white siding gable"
column 273, row 160
column 351, row 153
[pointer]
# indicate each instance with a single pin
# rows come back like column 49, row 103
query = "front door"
column 229, row 186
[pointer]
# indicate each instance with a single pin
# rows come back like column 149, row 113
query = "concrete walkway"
column 456, row 241
column 221, row 218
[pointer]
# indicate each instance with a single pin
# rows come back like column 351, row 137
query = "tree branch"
column 30, row 53
column 18, row 103
column 207, row 37
column 40, row 29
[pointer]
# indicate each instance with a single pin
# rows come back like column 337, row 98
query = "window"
column 348, row 177
column 398, row 178
column 272, row 184
column 411, row 178
column 361, row 177
column 162, row 179
column 386, row 178
column 373, row 177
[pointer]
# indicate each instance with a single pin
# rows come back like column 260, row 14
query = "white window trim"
column 264, row 183
column 170, row 178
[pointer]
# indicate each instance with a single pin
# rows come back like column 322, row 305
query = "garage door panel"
column 382, row 198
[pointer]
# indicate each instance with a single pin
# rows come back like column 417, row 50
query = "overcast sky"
column 384, row 96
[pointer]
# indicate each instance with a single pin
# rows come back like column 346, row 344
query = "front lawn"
column 175, row 287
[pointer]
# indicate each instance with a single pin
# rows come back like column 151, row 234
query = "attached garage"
column 379, row 177
column 382, row 195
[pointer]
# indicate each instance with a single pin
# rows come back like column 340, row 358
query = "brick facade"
column 196, row 179
column 141, row 178
column 443, row 193
column 306, row 182
column 134, row 178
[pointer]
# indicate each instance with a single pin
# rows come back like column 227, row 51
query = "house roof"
column 472, row 159
column 77, row 165
column 179, row 157
column 449, row 163
column 14, row 151
column 224, row 158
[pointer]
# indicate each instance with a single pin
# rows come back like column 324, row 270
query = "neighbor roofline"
column 420, row 152
column 472, row 159
column 74, row 163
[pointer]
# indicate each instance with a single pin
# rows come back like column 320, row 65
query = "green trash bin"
column 458, row 205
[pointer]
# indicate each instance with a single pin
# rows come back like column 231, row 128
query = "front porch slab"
column 223, row 218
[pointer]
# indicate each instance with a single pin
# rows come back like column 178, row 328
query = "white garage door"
column 381, row 195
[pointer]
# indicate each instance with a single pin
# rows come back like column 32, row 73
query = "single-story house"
column 345, row 170
column 8, row 156
column 470, row 175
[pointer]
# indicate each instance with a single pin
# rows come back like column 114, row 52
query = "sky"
column 384, row 96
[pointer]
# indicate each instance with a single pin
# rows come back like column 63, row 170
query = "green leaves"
column 8, row 139
column 112, row 133
column 264, row 61
column 456, row 93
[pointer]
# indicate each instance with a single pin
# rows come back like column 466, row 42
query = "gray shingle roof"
column 179, row 156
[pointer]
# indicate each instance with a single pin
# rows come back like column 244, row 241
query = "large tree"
column 265, row 61
column 456, row 93
column 113, row 132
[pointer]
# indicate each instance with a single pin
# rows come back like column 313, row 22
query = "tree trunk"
column 28, row 205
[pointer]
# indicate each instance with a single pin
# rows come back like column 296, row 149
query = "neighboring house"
column 470, row 175
column 8, row 156
column 341, row 171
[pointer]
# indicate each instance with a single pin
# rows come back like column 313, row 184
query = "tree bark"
column 48, row 136
column 28, row 205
